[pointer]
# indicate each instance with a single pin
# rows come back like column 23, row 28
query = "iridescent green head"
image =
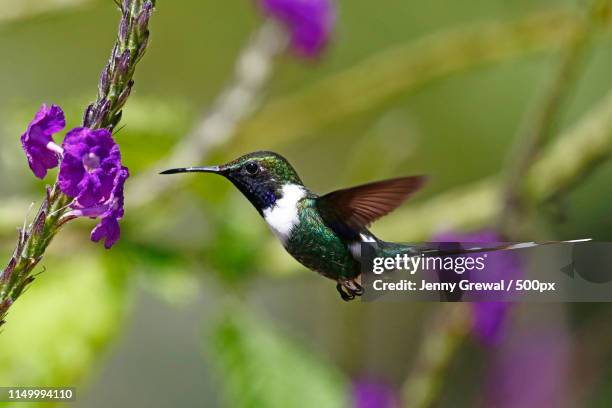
column 260, row 176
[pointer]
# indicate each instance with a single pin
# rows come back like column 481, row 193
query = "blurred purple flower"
column 488, row 321
column 37, row 141
column 489, row 317
column 531, row 370
column 368, row 393
column 92, row 174
column 309, row 22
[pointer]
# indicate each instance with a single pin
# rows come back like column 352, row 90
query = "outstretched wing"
column 359, row 206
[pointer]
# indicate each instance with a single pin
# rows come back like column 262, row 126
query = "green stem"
column 443, row 338
column 540, row 123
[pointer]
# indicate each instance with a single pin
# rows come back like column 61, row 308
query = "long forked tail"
column 502, row 247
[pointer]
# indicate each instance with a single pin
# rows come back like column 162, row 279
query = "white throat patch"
column 282, row 217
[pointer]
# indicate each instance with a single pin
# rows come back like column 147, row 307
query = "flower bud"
column 8, row 271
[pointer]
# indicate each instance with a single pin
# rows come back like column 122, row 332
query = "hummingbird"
column 325, row 232
column 322, row 232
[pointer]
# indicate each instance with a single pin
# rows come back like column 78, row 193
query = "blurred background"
column 198, row 305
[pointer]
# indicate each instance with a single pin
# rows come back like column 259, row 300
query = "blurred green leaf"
column 263, row 369
column 377, row 81
column 16, row 10
column 237, row 246
column 165, row 273
column 58, row 329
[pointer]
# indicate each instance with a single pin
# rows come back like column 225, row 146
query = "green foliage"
column 164, row 273
column 57, row 331
column 235, row 251
column 261, row 368
column 374, row 83
column 151, row 127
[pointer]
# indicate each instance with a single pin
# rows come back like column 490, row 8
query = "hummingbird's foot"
column 348, row 289
column 344, row 295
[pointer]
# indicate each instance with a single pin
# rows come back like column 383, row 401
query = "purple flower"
column 309, row 22
column 532, row 368
column 488, row 321
column 92, row 174
column 91, row 165
column 37, row 141
column 90, row 171
column 489, row 317
column 108, row 228
column 368, row 393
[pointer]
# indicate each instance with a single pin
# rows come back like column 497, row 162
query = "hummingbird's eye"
column 251, row 168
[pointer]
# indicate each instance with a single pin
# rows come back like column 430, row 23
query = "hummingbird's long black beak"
column 209, row 169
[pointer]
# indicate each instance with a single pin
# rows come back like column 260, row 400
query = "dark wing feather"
column 359, row 206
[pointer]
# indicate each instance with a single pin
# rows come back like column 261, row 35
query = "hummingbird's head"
column 260, row 176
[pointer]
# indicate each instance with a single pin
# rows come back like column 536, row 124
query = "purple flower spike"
column 309, row 22
column 533, row 369
column 37, row 141
column 90, row 167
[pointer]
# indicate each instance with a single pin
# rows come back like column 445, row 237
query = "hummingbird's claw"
column 348, row 289
column 345, row 296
